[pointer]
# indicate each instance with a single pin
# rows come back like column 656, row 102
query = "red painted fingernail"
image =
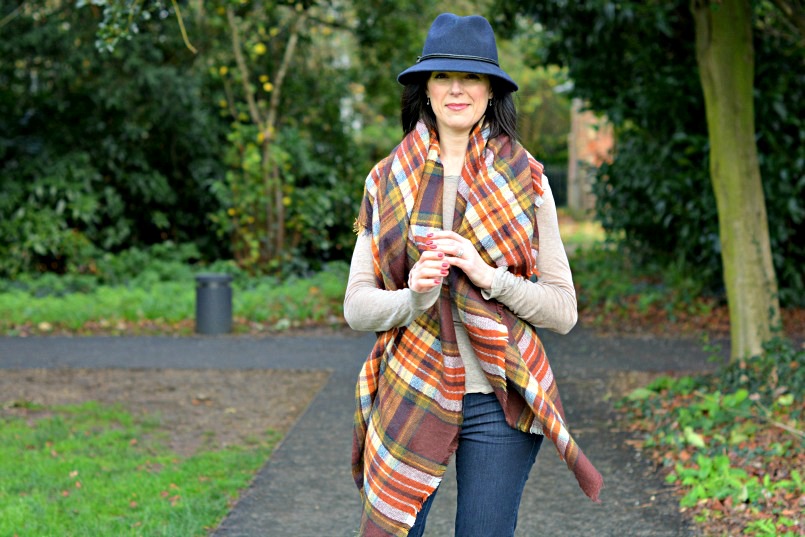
column 444, row 273
column 441, row 255
column 437, row 280
column 445, row 265
column 429, row 242
column 429, row 235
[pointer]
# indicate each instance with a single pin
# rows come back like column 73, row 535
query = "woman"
column 455, row 225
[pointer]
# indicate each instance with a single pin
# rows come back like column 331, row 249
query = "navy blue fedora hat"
column 462, row 44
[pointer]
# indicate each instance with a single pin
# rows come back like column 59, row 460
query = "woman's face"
column 458, row 100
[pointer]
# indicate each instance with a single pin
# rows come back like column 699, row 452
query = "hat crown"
column 470, row 37
column 461, row 44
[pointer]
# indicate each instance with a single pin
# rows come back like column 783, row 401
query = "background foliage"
column 114, row 135
column 128, row 146
column 98, row 151
column 635, row 62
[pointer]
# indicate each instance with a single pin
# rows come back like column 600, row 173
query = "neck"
column 453, row 148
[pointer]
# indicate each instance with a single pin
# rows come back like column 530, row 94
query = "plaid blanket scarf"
column 410, row 389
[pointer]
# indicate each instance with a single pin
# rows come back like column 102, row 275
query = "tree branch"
column 230, row 100
column 795, row 13
column 271, row 169
column 182, row 28
column 8, row 18
column 287, row 56
column 331, row 23
column 244, row 70
column 796, row 432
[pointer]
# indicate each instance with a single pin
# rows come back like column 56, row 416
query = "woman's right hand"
column 429, row 271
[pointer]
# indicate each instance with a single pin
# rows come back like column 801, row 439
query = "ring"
column 460, row 252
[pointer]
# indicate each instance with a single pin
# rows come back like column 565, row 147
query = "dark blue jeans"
column 492, row 465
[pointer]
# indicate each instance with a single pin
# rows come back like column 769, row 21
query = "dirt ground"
column 200, row 408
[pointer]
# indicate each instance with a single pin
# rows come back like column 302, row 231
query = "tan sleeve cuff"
column 498, row 283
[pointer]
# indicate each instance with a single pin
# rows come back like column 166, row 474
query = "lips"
column 457, row 107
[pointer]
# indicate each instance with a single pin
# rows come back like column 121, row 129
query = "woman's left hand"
column 460, row 252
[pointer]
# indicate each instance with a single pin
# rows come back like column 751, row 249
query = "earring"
column 490, row 102
column 427, row 103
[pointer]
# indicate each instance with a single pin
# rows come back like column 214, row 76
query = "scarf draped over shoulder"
column 410, row 389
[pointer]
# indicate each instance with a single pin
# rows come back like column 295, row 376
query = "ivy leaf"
column 786, row 400
column 736, row 437
column 693, row 438
column 640, row 394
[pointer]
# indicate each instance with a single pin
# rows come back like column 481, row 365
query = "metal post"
column 213, row 303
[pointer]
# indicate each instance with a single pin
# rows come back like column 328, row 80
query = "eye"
column 473, row 76
column 439, row 75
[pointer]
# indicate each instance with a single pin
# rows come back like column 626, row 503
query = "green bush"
column 635, row 62
column 134, row 267
column 613, row 280
column 664, row 205
column 100, row 152
column 144, row 266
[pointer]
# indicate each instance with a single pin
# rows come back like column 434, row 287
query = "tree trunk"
column 725, row 56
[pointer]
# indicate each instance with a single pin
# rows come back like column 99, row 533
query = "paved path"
column 306, row 489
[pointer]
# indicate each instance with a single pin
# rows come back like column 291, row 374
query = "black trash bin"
column 213, row 303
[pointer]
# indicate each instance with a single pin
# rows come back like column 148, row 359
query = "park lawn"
column 93, row 469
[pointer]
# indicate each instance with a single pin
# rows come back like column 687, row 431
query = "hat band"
column 455, row 57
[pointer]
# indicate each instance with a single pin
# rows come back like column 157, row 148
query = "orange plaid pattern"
column 409, row 392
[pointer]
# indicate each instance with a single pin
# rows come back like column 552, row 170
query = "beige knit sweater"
column 547, row 303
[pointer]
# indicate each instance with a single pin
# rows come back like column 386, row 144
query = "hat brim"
column 461, row 66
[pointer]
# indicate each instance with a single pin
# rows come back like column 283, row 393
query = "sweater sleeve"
column 550, row 302
column 367, row 308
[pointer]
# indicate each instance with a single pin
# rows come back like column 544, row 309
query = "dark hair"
column 501, row 116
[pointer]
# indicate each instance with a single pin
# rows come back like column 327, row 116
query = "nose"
column 456, row 86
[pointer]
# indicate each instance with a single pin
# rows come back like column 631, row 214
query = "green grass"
column 269, row 301
column 170, row 301
column 294, row 301
column 96, row 470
